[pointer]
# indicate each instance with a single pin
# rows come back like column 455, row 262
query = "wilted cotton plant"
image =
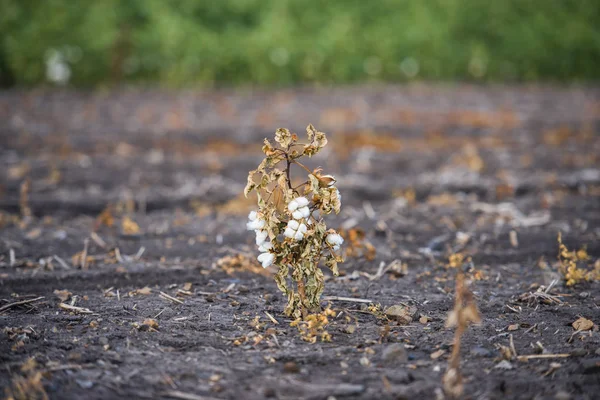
column 289, row 226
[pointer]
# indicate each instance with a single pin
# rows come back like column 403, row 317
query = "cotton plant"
column 289, row 226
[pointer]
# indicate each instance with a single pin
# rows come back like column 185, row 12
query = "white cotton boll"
column 295, row 230
column 253, row 215
column 297, row 214
column 334, row 239
column 266, row 246
column 302, row 228
column 293, row 205
column 256, row 224
column 293, row 224
column 302, row 201
column 305, row 211
column 336, row 247
column 266, row 259
column 289, row 232
column 261, row 237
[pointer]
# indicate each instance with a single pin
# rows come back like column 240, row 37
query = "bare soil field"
column 126, row 270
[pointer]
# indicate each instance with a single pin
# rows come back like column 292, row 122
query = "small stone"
column 598, row 351
column 591, row 366
column 349, row 329
column 513, row 327
column 103, row 341
column 84, row 384
column 401, row 313
column 291, row 367
column 364, row 361
column 480, row 352
column 579, row 352
column 584, row 295
column 394, row 353
column 504, row 364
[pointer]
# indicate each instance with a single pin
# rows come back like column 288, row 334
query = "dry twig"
column 272, row 318
column 350, row 299
column 175, row 394
column 536, row 356
column 165, row 296
column 83, row 260
column 541, row 294
column 19, row 303
column 80, row 310
column 464, row 312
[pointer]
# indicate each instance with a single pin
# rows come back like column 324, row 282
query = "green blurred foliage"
column 280, row 42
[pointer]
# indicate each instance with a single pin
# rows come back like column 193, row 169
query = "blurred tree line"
column 236, row 42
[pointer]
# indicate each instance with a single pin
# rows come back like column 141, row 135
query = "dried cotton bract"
column 289, row 227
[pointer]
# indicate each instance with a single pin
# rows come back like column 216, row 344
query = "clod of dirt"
column 591, row 366
column 349, row 329
column 403, row 314
column 583, row 324
column 394, row 353
column 291, row 367
column 579, row 352
column 480, row 352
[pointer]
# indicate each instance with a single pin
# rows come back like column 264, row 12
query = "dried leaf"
column 129, row 226
column 63, row 295
column 144, row 291
column 283, row 137
column 105, row 217
column 317, row 140
column 150, row 323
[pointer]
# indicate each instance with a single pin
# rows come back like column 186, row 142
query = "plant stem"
column 287, row 171
column 455, row 356
column 302, row 294
column 303, row 166
column 303, row 183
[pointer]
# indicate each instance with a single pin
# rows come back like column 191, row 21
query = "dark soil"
column 425, row 172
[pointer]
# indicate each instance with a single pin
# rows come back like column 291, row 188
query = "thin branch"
column 534, row 356
column 19, row 303
column 80, row 310
column 287, row 172
column 303, row 166
column 350, row 299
